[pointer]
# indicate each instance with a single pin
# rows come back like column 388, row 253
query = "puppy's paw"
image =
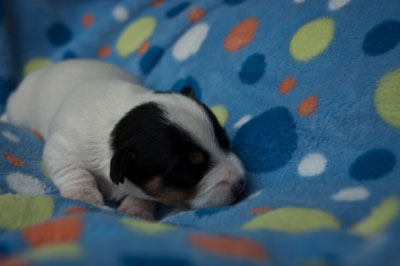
column 92, row 196
column 137, row 207
column 144, row 214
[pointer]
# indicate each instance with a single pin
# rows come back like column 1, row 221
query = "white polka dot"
column 242, row 121
column 351, row 194
column 337, row 4
column 299, row 1
column 190, row 42
column 255, row 194
column 24, row 184
column 10, row 136
column 312, row 164
column 106, row 208
column 120, row 13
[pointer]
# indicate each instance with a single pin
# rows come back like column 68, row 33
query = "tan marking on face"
column 196, row 157
column 132, row 156
column 168, row 195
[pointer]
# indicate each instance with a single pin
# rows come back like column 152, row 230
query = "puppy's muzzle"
column 238, row 188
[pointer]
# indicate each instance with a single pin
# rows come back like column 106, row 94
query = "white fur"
column 75, row 105
column 3, row 118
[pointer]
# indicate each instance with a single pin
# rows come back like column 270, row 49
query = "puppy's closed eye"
column 196, row 157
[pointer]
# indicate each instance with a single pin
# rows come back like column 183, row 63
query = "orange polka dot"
column 308, row 106
column 87, row 20
column 37, row 134
column 9, row 24
column 104, row 51
column 157, row 3
column 143, row 48
column 241, row 35
column 259, row 210
column 14, row 159
column 62, row 230
column 287, row 85
column 196, row 14
column 229, row 246
column 75, row 210
column 13, row 261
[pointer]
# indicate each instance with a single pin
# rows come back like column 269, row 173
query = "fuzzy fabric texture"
column 308, row 91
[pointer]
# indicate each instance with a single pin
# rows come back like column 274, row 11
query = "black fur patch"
column 147, row 145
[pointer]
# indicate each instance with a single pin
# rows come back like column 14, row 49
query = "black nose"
column 238, row 187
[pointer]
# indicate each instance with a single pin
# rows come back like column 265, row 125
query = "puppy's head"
column 174, row 150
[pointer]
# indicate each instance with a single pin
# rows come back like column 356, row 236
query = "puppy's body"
column 78, row 107
column 76, row 113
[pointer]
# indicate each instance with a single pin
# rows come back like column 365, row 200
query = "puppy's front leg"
column 72, row 180
column 144, row 209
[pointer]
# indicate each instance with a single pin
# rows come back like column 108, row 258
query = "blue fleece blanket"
column 308, row 91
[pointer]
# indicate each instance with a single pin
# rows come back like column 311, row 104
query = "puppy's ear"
column 188, row 91
column 120, row 161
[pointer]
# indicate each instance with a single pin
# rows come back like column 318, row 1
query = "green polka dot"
column 134, row 35
column 146, row 227
column 312, row 39
column 221, row 113
column 46, row 174
column 18, row 211
column 379, row 219
column 293, row 220
column 60, row 251
column 35, row 64
column 387, row 98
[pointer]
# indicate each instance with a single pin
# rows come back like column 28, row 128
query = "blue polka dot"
column 382, row 38
column 153, row 260
column 233, row 2
column 69, row 55
column 373, row 164
column 189, row 81
column 268, row 141
column 253, row 69
column 4, row 249
column 59, row 34
column 7, row 85
column 177, row 9
column 210, row 211
column 150, row 59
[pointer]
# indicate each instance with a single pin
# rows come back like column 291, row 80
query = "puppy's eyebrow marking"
column 196, row 157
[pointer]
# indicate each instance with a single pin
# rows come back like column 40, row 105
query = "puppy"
column 104, row 132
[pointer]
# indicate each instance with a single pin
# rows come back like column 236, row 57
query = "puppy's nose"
column 238, row 187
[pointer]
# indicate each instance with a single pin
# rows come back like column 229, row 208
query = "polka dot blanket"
column 308, row 91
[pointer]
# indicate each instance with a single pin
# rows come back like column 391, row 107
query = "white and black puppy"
column 104, row 132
